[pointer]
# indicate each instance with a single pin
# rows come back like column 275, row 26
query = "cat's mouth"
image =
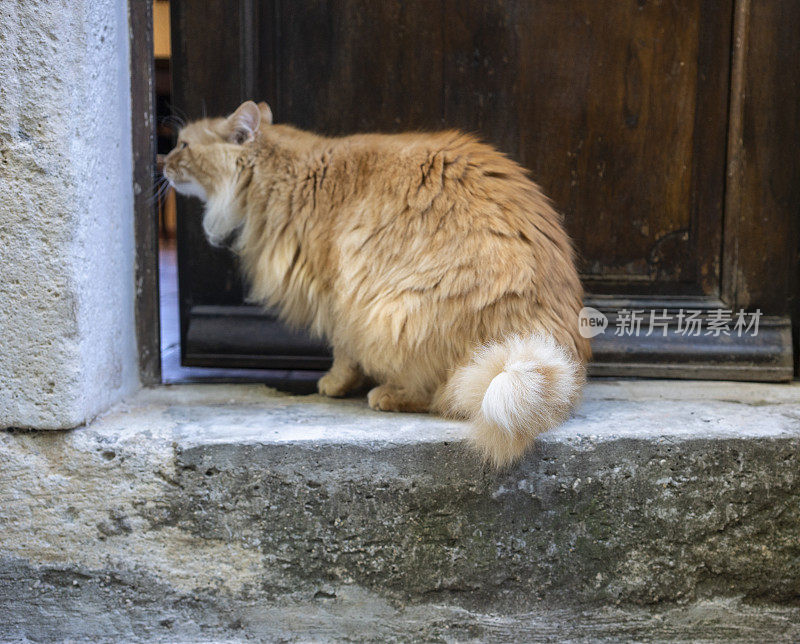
column 188, row 188
column 183, row 186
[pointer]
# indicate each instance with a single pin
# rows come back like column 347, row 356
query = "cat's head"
column 203, row 162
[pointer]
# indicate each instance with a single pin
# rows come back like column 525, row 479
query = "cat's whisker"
column 173, row 121
column 161, row 187
column 178, row 113
column 155, row 199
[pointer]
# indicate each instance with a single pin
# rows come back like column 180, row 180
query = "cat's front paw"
column 381, row 399
column 333, row 386
column 388, row 398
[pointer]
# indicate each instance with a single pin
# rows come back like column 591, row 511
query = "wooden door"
column 632, row 115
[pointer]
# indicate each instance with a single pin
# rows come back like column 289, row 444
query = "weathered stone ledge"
column 226, row 511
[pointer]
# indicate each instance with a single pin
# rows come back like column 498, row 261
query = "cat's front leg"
column 390, row 397
column 344, row 376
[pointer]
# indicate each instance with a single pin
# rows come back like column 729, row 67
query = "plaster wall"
column 67, row 337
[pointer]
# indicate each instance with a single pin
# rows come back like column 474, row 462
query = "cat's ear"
column 244, row 123
column 266, row 113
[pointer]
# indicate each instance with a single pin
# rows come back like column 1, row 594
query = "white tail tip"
column 513, row 391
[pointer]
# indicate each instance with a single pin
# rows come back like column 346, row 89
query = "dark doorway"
column 167, row 123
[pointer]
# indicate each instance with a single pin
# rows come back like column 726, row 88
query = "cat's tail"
column 513, row 391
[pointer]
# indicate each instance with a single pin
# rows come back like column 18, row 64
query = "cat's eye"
column 182, row 144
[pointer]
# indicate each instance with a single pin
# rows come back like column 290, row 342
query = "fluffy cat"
column 429, row 261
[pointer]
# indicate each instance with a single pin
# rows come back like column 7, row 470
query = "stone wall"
column 662, row 511
column 67, row 341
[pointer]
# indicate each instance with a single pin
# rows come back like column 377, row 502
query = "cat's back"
column 429, row 209
column 451, row 181
column 457, row 153
column 448, row 165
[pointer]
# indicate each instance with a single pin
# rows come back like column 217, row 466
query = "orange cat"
column 430, row 262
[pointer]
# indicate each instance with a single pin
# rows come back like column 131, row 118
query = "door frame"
column 145, row 214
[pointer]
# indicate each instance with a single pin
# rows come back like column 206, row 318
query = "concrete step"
column 662, row 510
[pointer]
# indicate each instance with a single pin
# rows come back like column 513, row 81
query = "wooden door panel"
column 349, row 66
column 604, row 98
column 613, row 106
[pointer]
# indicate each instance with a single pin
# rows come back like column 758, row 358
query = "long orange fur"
column 430, row 262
